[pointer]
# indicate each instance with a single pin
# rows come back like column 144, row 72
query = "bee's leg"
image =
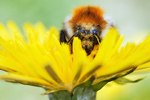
column 63, row 36
column 70, row 40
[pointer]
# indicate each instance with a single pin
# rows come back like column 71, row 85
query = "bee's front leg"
column 63, row 36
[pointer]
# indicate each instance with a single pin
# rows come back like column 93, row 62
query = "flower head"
column 37, row 58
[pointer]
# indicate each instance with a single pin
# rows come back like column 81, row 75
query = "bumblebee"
column 87, row 23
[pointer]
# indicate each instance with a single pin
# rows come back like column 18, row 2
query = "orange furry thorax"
column 88, row 15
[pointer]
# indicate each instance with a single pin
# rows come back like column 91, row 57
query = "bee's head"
column 89, row 36
column 87, row 29
column 86, row 19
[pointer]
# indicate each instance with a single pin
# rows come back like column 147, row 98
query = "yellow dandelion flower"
column 37, row 58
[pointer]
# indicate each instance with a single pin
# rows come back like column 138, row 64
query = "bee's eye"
column 80, row 30
column 94, row 31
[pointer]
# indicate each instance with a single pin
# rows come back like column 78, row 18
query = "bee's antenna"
column 98, row 38
column 72, row 37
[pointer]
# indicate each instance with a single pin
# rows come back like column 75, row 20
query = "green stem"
column 79, row 93
column 60, row 95
column 84, row 93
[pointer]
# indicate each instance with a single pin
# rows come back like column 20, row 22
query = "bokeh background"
column 131, row 17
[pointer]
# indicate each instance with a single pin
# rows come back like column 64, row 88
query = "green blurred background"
column 131, row 17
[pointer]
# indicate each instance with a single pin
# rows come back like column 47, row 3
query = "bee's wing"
column 110, row 23
column 68, row 26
